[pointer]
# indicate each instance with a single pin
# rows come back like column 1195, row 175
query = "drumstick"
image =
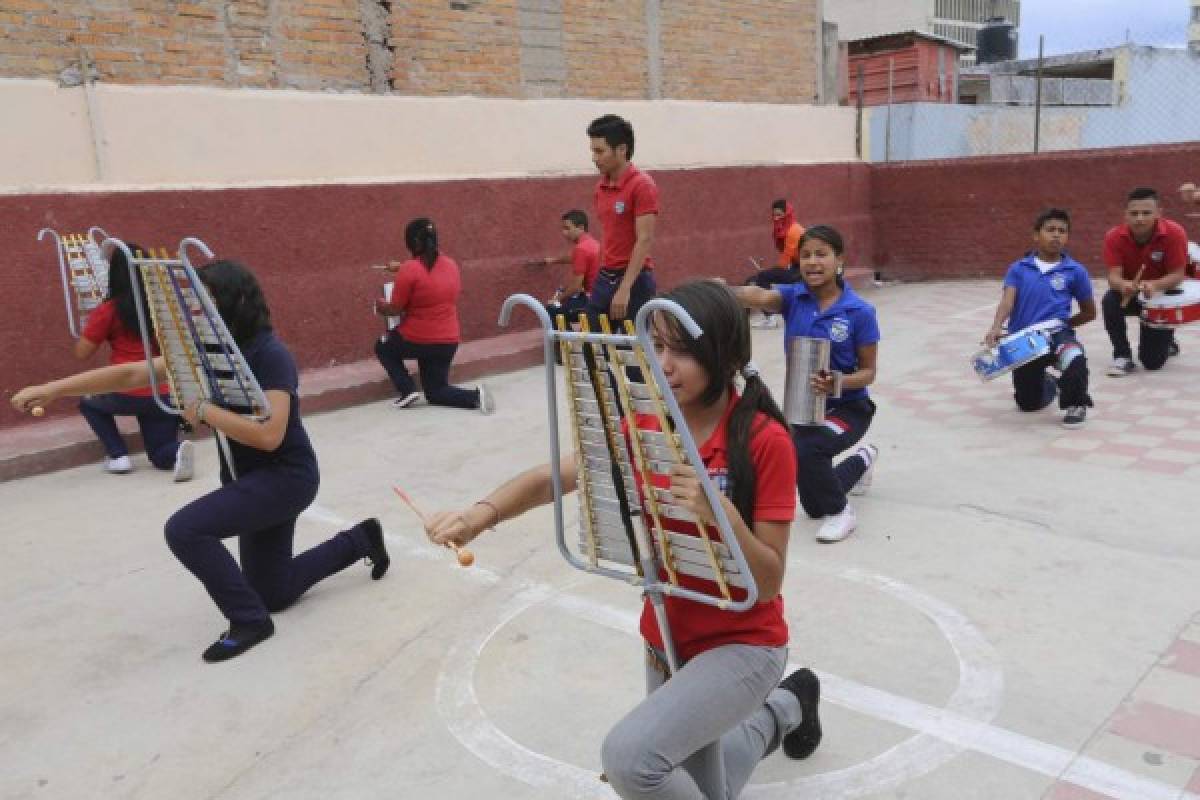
column 1136, row 279
column 465, row 557
column 757, row 265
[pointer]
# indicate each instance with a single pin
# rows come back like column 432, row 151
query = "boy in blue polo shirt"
column 823, row 306
column 1037, row 289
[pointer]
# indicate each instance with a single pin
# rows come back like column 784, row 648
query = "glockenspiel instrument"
column 628, row 433
column 83, row 270
column 202, row 359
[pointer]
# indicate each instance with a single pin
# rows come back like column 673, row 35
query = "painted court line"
column 947, row 726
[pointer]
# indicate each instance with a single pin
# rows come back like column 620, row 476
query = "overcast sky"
column 1071, row 25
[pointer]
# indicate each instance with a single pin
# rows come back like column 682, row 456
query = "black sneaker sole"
column 238, row 640
column 377, row 553
column 804, row 740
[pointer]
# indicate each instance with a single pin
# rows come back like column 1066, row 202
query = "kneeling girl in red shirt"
column 728, row 688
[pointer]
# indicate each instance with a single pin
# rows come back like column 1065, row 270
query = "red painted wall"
column 311, row 246
column 972, row 217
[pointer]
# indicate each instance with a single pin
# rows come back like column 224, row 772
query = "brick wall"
column 719, row 50
column 972, row 217
column 771, row 47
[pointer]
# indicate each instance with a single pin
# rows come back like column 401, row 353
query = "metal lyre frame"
column 621, row 535
column 84, row 273
column 202, row 360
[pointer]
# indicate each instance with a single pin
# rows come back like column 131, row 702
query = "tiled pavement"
column 1147, row 421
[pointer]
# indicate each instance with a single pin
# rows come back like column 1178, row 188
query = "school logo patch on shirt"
column 619, row 207
column 839, row 331
column 1058, row 283
column 720, row 477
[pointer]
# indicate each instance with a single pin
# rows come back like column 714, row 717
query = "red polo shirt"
column 429, row 298
column 104, row 325
column 618, row 205
column 697, row 627
column 585, row 260
column 1166, row 251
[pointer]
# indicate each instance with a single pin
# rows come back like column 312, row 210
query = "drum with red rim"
column 1174, row 307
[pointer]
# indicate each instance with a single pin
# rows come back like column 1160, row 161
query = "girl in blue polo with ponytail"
column 823, row 306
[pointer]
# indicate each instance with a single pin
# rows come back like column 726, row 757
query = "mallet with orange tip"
column 465, row 557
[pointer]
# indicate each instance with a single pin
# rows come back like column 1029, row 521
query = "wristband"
column 200, row 411
column 495, row 511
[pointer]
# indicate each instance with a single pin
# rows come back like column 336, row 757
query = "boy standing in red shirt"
column 1144, row 256
column 627, row 207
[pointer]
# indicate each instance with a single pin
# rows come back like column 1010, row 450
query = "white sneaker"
column 871, row 457
column 486, row 403
column 1121, row 367
column 185, row 461
column 838, row 527
column 118, row 466
column 407, row 400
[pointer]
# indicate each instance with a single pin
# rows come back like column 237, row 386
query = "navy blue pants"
column 607, row 281
column 768, row 278
column 160, row 430
column 260, row 508
column 821, row 485
column 433, row 362
column 569, row 308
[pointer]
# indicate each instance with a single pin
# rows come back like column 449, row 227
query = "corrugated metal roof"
column 921, row 34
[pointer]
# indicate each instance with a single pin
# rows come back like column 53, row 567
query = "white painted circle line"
column 946, row 733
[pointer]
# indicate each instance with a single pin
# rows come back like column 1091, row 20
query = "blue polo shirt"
column 848, row 324
column 1043, row 297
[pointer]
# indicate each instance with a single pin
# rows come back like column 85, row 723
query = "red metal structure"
column 924, row 68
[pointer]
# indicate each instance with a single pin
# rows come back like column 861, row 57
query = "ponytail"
column 421, row 238
column 743, row 481
column 120, row 291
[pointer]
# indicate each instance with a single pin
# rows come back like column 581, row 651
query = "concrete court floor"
column 1018, row 615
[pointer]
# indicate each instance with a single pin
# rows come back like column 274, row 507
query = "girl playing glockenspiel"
column 276, row 470
column 115, row 321
column 824, row 307
column 728, row 688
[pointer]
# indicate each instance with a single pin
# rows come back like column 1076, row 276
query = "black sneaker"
column 377, row 555
column 1173, row 347
column 803, row 741
column 1075, row 417
column 238, row 639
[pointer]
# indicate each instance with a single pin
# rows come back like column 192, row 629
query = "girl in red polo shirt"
column 115, row 321
column 728, row 688
column 425, row 296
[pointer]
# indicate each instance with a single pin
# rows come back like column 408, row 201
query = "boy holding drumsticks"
column 1039, row 288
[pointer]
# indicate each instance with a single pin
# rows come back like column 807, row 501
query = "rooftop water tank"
column 996, row 41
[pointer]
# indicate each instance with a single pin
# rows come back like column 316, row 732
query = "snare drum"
column 1174, row 307
column 1015, row 350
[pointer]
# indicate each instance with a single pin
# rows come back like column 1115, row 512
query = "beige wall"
column 188, row 136
column 858, row 19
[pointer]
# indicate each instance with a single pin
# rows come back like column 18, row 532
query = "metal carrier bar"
column 202, row 359
column 83, row 270
column 600, row 395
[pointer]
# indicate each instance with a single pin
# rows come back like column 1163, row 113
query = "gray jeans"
column 722, row 697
